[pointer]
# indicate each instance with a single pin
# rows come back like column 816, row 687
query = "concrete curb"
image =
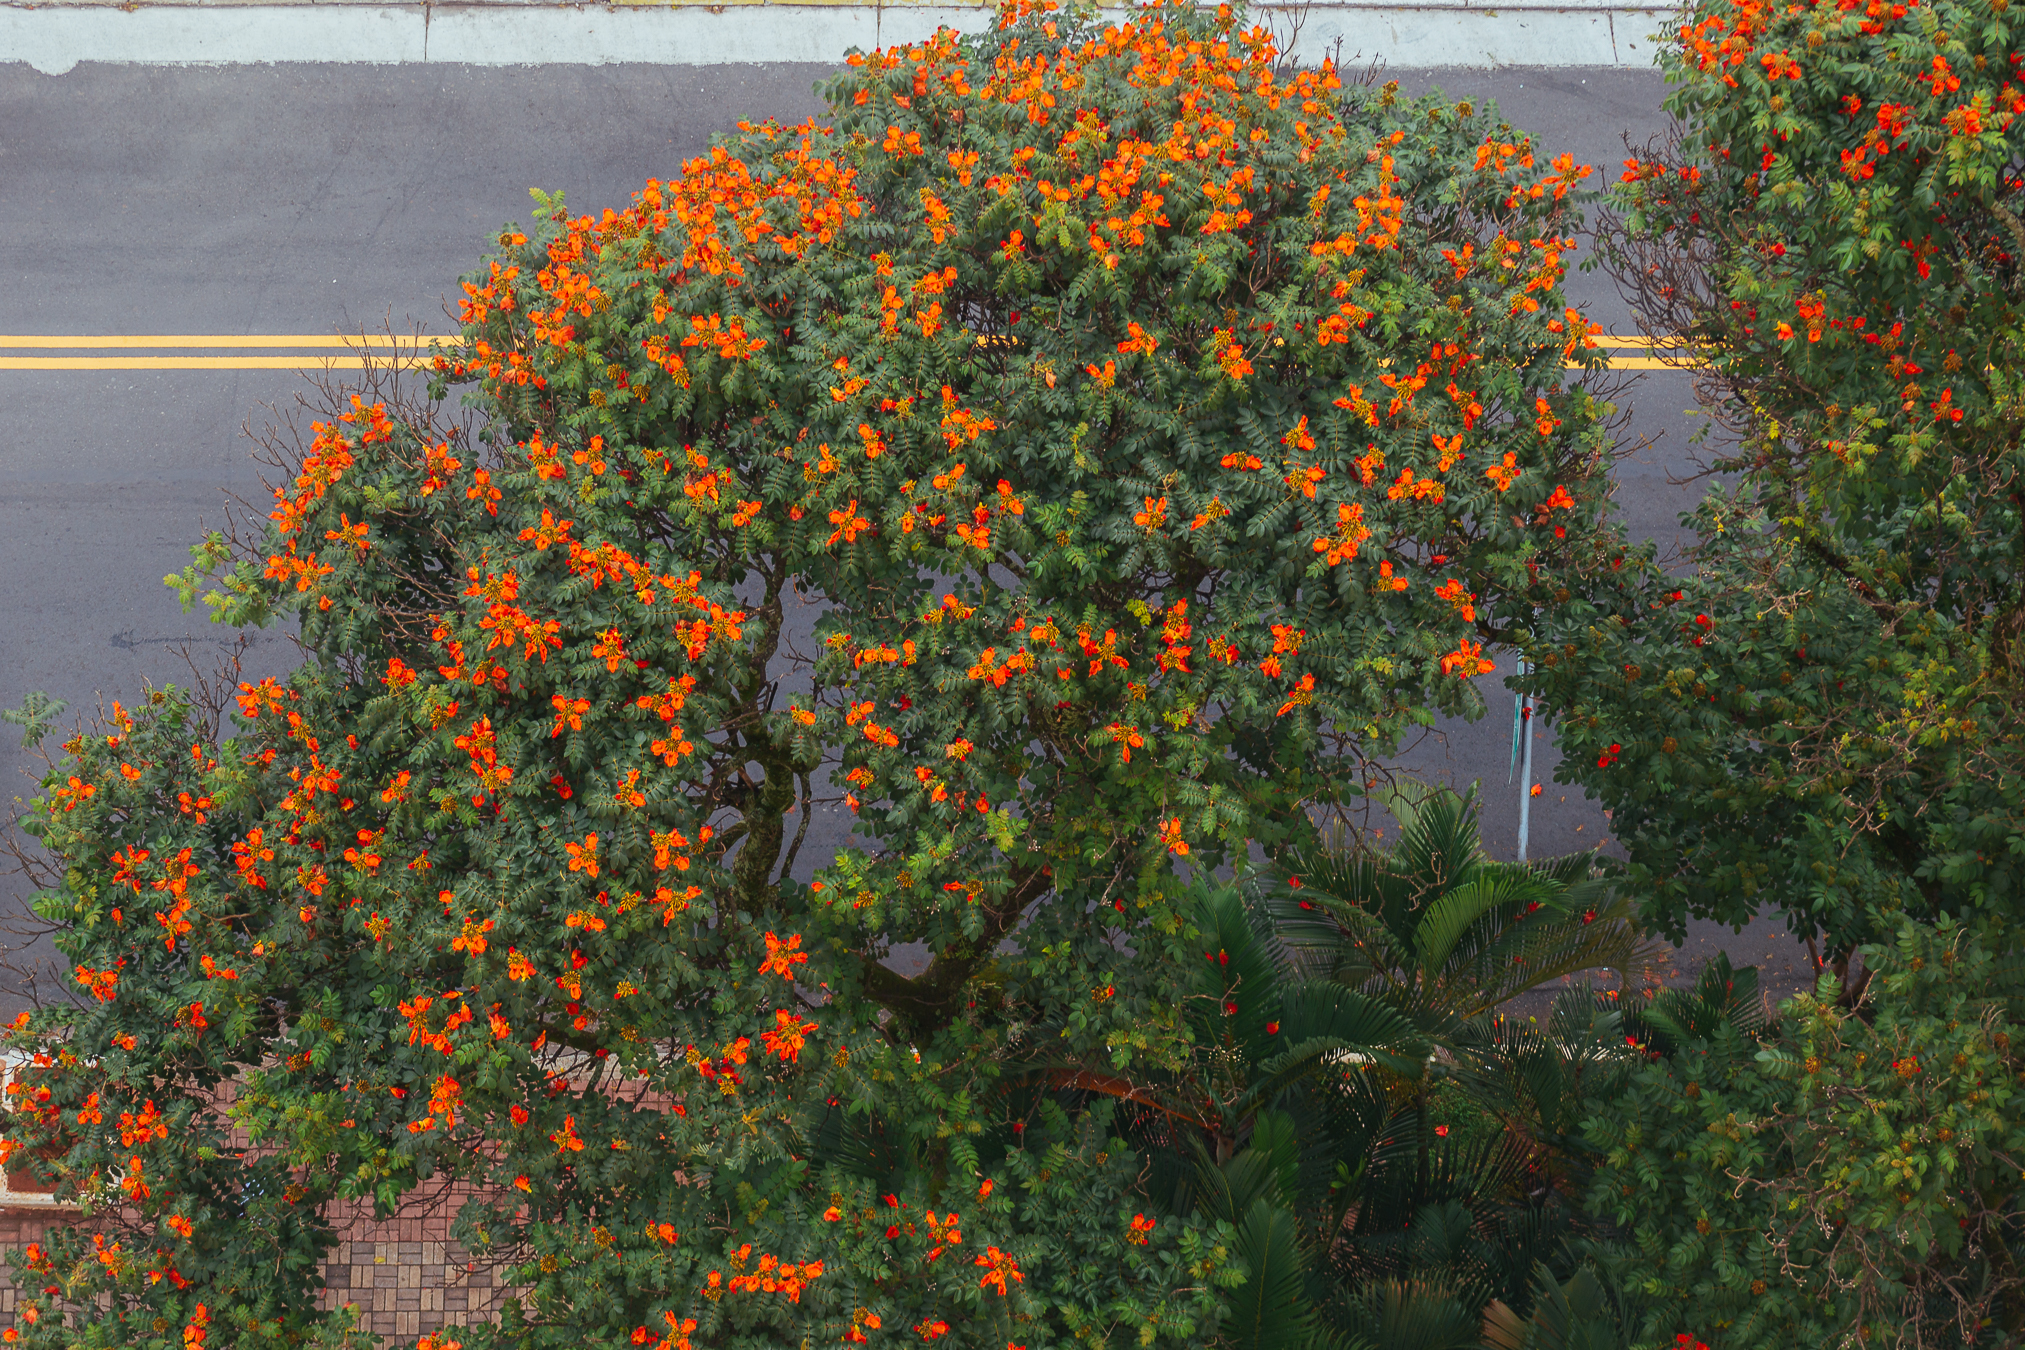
column 54, row 38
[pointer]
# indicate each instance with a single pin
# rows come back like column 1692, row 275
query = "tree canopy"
column 1822, row 713
column 1084, row 450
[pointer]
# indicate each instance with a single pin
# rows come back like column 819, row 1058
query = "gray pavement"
column 304, row 199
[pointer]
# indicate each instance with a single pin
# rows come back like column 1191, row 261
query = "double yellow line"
column 204, row 351
column 307, row 351
column 1637, row 344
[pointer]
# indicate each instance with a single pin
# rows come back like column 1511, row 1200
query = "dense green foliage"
column 1851, row 1180
column 1824, row 714
column 1436, row 1215
column 1080, row 452
column 1394, row 1154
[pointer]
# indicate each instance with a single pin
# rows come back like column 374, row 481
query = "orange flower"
column 1138, row 340
column 1453, row 592
column 1544, row 420
column 849, row 524
column 104, row 984
column 569, row 713
column 1503, row 474
column 1466, row 660
column 783, row 957
column 1351, row 534
column 627, row 793
column 788, row 1036
column 1001, row 1267
column 1303, row 694
column 584, row 856
column 611, row 649
column 472, row 938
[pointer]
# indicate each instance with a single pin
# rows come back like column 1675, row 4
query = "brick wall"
column 18, row 1228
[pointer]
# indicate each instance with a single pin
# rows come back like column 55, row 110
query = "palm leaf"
column 1241, row 972
column 1417, row 1315
column 1229, row 1192
column 1574, row 1316
column 1722, row 993
column 1341, row 937
column 1590, row 927
column 1326, row 1029
column 1441, row 931
column 1545, row 1076
column 1483, row 909
column 1439, row 844
column 1270, row 1310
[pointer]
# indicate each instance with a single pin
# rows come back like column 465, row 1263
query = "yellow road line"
column 112, row 342
column 305, row 362
column 1637, row 363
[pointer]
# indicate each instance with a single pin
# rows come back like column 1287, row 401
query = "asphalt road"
column 306, row 199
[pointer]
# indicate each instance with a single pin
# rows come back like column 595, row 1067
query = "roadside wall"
column 54, row 36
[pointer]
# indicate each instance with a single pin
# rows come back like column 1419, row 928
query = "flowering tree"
column 1153, row 432
column 1825, row 715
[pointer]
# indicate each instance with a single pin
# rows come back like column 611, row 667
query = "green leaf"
column 34, row 715
column 1270, row 1310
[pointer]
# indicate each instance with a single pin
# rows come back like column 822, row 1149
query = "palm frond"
column 1326, row 1030
column 1439, row 844
column 1482, row 910
column 1722, row 993
column 1569, row 868
column 1544, row 1075
column 1417, row 1315
column 1341, row 938
column 1228, row 1192
column 1270, row 1310
column 1577, row 1315
column 1241, row 971
column 1404, row 1179
column 1582, row 930
column 1442, row 931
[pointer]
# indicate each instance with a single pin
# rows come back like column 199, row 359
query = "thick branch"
column 928, row 1001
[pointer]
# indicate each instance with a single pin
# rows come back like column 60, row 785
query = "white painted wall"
column 53, row 38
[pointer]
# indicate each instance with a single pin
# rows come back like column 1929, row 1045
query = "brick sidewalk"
column 405, row 1275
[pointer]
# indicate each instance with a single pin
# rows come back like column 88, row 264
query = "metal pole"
column 1522, row 727
column 1526, row 775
